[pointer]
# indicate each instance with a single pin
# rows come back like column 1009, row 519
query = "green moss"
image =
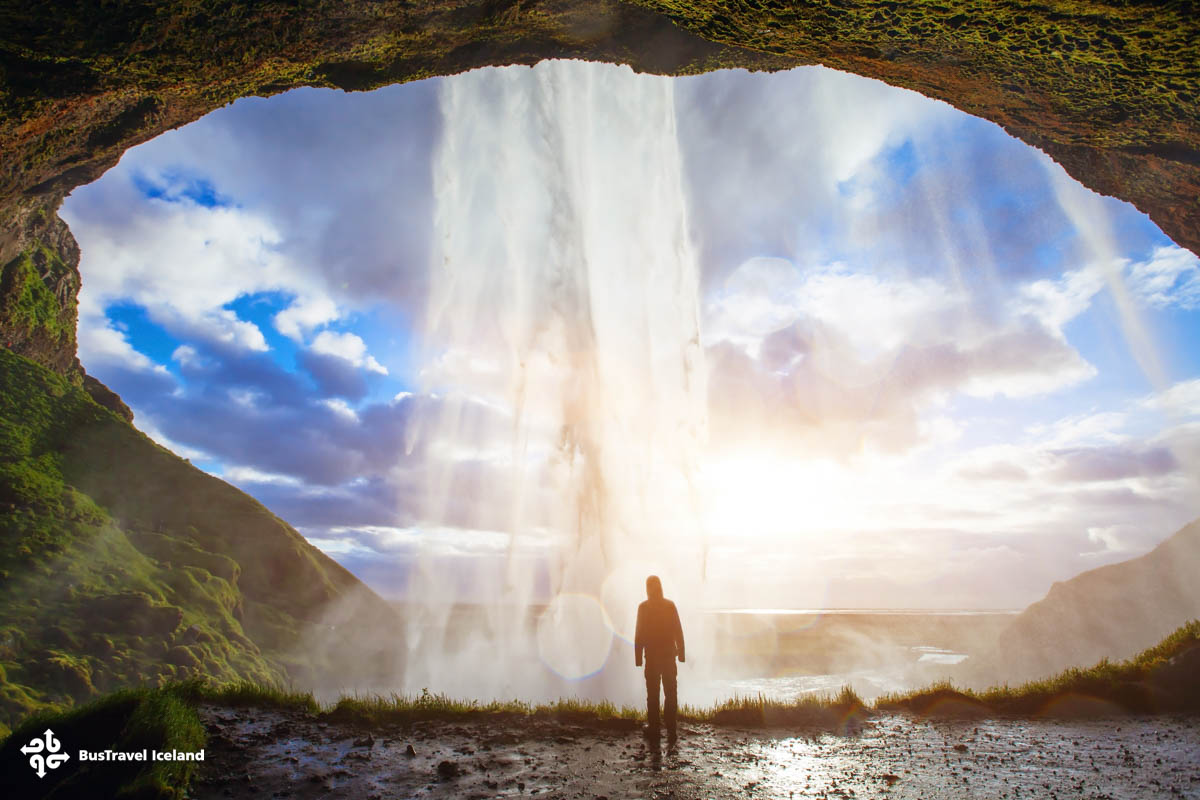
column 1073, row 60
column 27, row 304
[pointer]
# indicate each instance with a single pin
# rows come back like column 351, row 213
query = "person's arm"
column 638, row 644
column 678, row 634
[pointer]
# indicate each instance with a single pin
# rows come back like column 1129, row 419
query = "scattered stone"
column 961, row 748
column 447, row 770
column 410, row 751
column 368, row 741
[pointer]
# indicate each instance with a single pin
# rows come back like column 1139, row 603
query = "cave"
column 1108, row 90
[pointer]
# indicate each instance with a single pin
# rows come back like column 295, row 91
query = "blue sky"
column 986, row 375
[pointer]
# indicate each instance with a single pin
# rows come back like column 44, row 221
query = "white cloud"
column 101, row 344
column 252, row 475
column 186, row 355
column 183, row 263
column 1111, row 538
column 341, row 408
column 245, row 398
column 440, row 541
column 874, row 314
column 1182, row 399
column 347, row 346
column 1170, row 277
column 1101, row 426
column 305, row 315
column 848, row 358
column 224, row 326
column 1057, row 302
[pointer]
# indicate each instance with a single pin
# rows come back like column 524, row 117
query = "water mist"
column 563, row 347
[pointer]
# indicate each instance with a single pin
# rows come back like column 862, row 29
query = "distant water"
column 909, row 612
column 785, row 654
column 779, row 653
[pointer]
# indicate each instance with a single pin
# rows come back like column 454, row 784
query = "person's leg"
column 671, row 696
column 653, row 677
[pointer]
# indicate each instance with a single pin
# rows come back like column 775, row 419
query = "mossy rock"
column 182, row 656
column 69, row 674
column 58, row 637
column 100, row 645
column 132, row 612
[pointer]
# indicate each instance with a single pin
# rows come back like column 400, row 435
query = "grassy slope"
column 1160, row 678
column 121, row 564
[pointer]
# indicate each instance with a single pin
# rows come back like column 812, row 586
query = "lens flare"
column 574, row 636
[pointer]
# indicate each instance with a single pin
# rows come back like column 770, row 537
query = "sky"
column 939, row 372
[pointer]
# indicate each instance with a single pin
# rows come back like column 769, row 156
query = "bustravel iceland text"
column 140, row 755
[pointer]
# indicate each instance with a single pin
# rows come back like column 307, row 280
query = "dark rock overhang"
column 1110, row 90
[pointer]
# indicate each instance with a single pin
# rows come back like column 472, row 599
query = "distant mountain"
column 122, row 564
column 1110, row 612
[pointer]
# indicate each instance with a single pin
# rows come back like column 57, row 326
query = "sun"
column 766, row 496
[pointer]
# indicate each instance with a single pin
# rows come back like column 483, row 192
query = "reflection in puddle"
column 262, row 754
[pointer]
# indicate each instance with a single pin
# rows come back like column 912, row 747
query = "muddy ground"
column 264, row 754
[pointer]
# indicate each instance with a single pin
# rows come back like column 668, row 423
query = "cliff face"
column 38, row 288
column 1111, row 612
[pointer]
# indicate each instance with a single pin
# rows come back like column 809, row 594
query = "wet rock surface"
column 254, row 753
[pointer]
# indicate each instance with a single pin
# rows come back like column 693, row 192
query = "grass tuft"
column 246, row 694
column 830, row 712
column 404, row 709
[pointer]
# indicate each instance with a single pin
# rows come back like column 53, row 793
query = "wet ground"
column 287, row 754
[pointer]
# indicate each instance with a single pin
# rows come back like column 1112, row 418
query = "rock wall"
column 1109, row 89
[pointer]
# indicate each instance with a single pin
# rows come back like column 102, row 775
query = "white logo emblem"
column 52, row 760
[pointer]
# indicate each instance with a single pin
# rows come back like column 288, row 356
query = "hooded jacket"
column 658, row 636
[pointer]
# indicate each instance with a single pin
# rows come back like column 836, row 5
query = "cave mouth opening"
column 937, row 372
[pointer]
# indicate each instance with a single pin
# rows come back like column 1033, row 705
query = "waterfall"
column 562, row 344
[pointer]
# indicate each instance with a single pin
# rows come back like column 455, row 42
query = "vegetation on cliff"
column 1161, row 678
column 123, row 565
column 37, row 305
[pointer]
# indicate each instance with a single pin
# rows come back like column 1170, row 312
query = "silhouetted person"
column 660, row 637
